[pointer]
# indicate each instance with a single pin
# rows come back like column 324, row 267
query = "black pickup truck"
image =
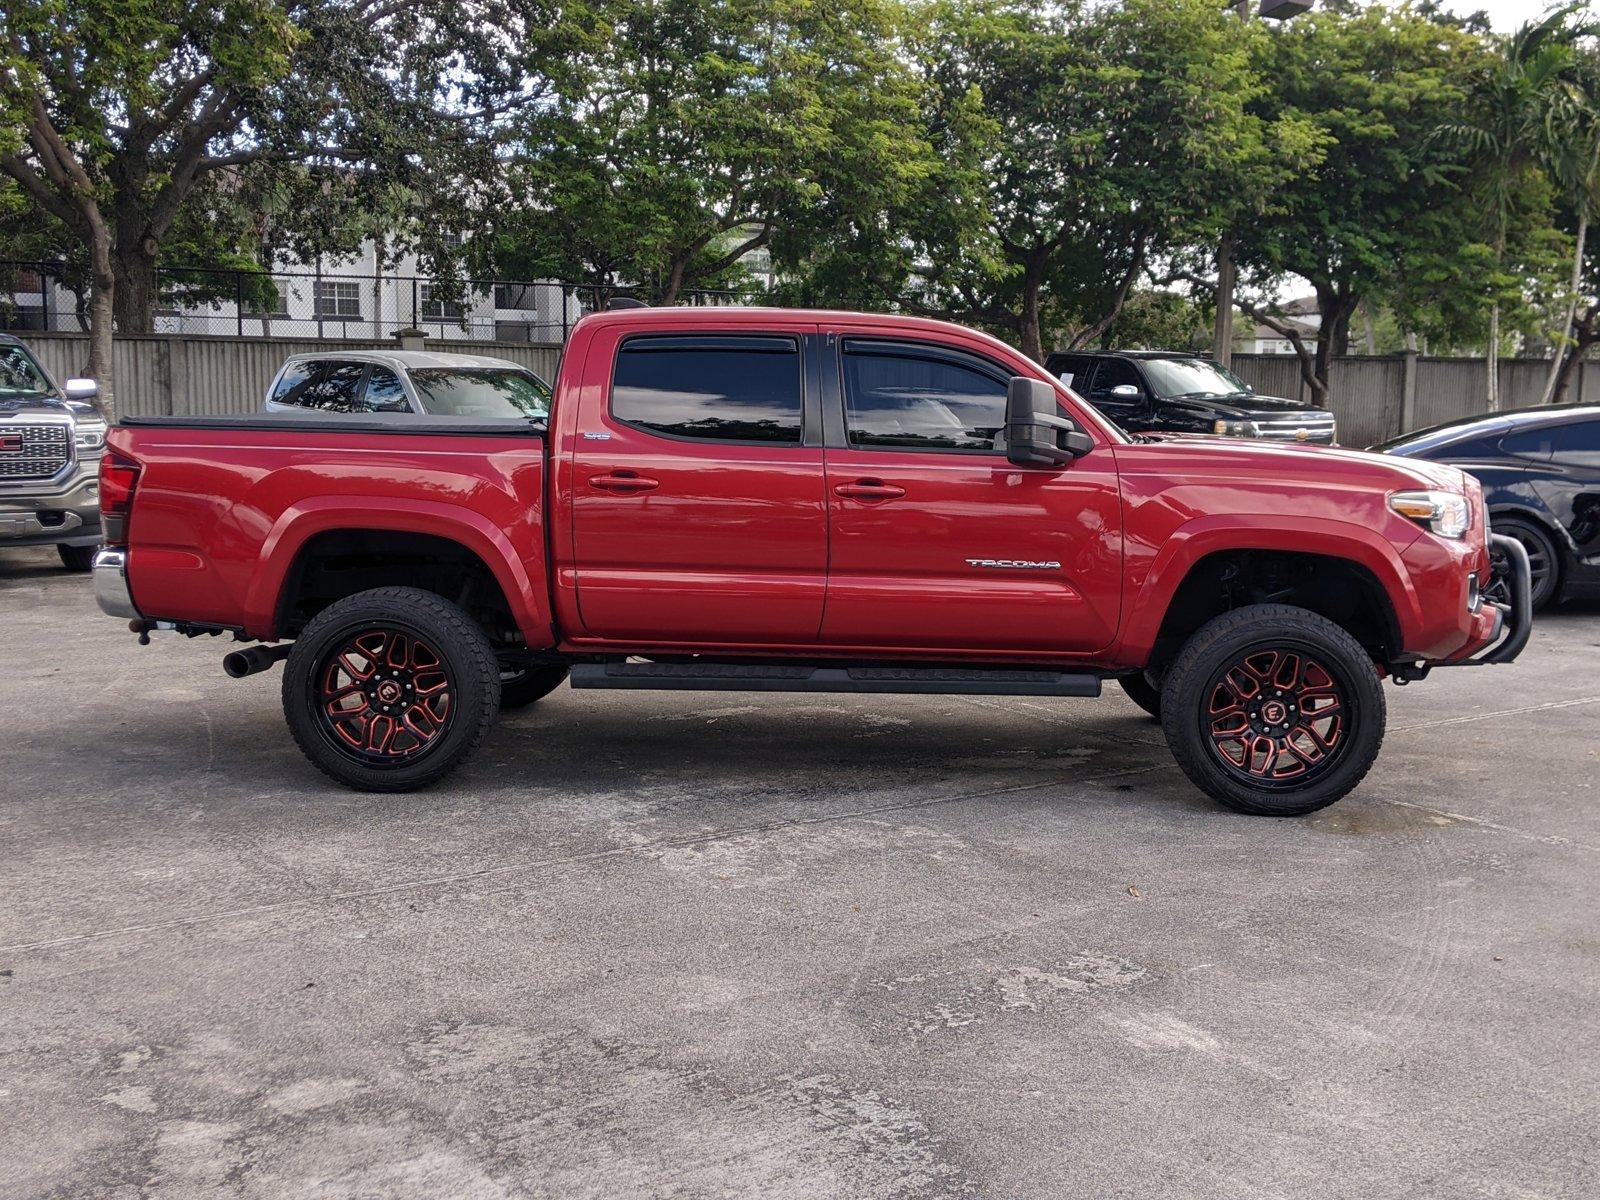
column 1166, row 391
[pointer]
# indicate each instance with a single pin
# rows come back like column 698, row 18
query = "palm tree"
column 1516, row 117
column 1575, row 166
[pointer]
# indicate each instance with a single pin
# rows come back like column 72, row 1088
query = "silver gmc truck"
column 51, row 440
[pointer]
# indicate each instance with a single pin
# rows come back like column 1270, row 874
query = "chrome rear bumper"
column 110, row 574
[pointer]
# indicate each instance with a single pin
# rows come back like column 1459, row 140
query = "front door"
column 939, row 544
column 698, row 505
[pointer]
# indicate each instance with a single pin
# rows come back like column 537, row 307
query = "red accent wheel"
column 384, row 696
column 1277, row 718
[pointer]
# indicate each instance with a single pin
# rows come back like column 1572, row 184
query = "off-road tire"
column 77, row 558
column 1142, row 692
column 1190, row 691
column 462, row 650
column 529, row 685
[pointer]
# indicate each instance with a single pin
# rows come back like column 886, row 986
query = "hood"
column 13, row 405
column 1246, row 406
column 1307, row 462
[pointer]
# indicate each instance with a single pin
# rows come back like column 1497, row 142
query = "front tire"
column 1273, row 710
column 391, row 689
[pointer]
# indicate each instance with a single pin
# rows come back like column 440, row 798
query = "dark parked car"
column 1540, row 470
column 1165, row 391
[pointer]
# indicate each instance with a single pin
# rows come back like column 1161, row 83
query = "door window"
column 721, row 389
column 1528, row 443
column 385, row 392
column 1072, row 369
column 333, row 387
column 904, row 398
column 1111, row 373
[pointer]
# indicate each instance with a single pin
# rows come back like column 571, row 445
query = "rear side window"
column 1528, row 443
column 385, row 392
column 898, row 396
column 1579, row 445
column 1072, row 370
column 720, row 389
column 325, row 386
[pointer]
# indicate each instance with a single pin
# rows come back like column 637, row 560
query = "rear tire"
column 1142, row 692
column 77, row 558
column 529, row 685
column 391, row 689
column 1273, row 710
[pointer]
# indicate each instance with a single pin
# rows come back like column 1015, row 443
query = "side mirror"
column 1125, row 391
column 81, row 389
column 1037, row 434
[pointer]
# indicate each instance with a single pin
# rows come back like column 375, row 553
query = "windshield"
column 482, row 392
column 20, row 375
column 1174, row 377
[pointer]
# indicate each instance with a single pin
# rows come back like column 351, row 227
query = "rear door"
column 698, row 502
column 940, row 544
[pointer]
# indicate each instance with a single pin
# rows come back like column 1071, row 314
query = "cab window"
column 906, row 397
column 716, row 389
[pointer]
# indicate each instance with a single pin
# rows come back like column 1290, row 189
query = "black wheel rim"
column 1540, row 565
column 1278, row 718
column 383, row 696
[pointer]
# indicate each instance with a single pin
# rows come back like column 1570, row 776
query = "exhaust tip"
column 237, row 664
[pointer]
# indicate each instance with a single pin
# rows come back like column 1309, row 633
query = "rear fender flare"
column 524, row 589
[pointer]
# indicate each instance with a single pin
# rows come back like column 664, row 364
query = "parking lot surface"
column 692, row 945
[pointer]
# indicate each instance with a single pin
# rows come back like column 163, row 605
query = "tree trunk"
column 102, row 301
column 1572, row 307
column 1227, row 285
column 136, row 291
column 1028, row 319
column 1333, row 334
column 674, row 285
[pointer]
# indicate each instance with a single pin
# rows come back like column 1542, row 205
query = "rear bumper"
column 110, row 574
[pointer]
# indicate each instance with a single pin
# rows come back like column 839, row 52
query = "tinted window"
column 732, row 389
column 1528, row 443
column 481, row 392
column 1579, row 445
column 899, row 398
column 19, row 373
column 1072, row 369
column 292, row 384
column 335, row 387
column 385, row 392
column 1114, row 372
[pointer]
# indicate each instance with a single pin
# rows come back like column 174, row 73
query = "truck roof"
column 408, row 359
column 725, row 316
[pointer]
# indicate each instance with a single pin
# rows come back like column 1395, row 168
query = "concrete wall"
column 1369, row 395
column 192, row 376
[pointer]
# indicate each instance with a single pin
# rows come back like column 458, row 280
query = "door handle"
column 869, row 489
column 623, row 482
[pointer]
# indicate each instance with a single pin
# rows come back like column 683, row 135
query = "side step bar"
column 784, row 677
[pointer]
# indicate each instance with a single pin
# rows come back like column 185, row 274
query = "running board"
column 782, row 677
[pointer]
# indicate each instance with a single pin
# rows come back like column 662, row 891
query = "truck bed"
column 225, row 504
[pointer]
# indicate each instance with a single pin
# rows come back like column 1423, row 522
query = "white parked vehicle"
column 399, row 381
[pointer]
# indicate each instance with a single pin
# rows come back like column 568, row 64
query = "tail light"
column 118, row 478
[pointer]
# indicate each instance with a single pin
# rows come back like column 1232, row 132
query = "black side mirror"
column 1037, row 435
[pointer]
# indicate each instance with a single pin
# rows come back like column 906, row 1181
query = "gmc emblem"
column 10, row 443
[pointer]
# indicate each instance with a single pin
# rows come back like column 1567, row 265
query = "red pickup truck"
column 773, row 500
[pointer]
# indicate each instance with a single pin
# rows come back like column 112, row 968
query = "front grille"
column 44, row 450
column 1319, row 428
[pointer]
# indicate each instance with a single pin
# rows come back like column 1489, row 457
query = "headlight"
column 90, row 437
column 1235, row 428
column 1445, row 513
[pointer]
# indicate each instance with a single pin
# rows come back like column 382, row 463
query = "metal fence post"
column 238, row 302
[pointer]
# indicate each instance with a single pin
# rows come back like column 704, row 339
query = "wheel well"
column 1532, row 516
column 342, row 562
column 1345, row 592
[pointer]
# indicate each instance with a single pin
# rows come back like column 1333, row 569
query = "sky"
column 1505, row 14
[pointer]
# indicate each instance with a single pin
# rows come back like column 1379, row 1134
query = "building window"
column 338, row 298
column 436, row 308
